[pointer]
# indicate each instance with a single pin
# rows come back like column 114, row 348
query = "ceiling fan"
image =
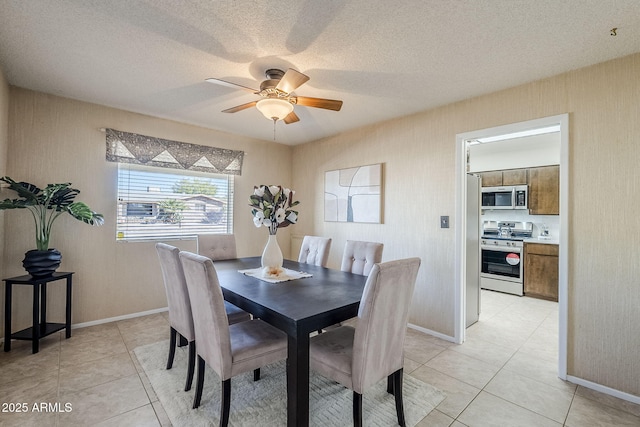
column 277, row 96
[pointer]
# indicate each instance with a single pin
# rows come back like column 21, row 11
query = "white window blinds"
column 156, row 203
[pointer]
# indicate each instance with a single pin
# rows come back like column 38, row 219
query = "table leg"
column 35, row 330
column 298, row 381
column 68, row 310
column 7, row 316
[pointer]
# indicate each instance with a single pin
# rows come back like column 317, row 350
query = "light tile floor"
column 503, row 375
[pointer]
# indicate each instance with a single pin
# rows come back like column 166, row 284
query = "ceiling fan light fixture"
column 274, row 109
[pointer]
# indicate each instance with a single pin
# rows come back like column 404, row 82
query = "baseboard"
column 117, row 318
column 113, row 319
column 430, row 332
column 604, row 389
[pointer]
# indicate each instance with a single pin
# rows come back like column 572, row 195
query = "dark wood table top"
column 295, row 306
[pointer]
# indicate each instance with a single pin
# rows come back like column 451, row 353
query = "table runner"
column 286, row 275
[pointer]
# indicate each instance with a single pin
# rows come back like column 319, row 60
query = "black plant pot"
column 41, row 263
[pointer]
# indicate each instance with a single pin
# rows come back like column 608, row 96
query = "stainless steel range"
column 502, row 255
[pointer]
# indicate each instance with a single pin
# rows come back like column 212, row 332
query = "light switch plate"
column 444, row 222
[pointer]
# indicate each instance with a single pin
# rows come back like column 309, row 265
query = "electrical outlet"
column 444, row 222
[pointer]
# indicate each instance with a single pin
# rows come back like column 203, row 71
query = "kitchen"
column 514, row 181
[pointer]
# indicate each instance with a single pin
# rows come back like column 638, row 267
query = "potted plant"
column 45, row 207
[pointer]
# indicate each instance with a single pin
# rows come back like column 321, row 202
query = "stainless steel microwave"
column 505, row 197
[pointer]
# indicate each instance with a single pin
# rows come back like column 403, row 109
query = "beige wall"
column 4, row 142
column 54, row 139
column 418, row 153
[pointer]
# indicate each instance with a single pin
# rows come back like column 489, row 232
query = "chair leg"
column 183, row 341
column 225, row 403
column 191, row 366
column 172, row 347
column 357, row 409
column 256, row 374
column 199, row 383
column 397, row 392
column 390, row 384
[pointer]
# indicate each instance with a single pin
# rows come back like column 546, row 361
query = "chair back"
column 180, row 317
column 378, row 344
column 360, row 257
column 209, row 315
column 315, row 250
column 217, row 246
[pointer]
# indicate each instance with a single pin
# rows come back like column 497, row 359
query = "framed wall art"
column 354, row 194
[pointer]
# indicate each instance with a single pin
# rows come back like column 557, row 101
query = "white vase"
column 272, row 255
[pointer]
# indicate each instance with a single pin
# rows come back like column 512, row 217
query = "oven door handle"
column 514, row 249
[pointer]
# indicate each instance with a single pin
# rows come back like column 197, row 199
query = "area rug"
column 263, row 403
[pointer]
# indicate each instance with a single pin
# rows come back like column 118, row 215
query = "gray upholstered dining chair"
column 362, row 356
column 217, row 246
column 180, row 316
column 315, row 250
column 359, row 257
column 228, row 349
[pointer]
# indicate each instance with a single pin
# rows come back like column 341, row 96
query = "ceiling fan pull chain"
column 274, row 128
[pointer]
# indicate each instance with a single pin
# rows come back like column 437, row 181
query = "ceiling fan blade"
column 291, row 118
column 327, row 104
column 291, row 80
column 240, row 107
column 231, row 85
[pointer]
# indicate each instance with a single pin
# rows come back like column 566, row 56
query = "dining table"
column 297, row 307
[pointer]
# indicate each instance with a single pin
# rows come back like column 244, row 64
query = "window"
column 159, row 203
column 139, row 209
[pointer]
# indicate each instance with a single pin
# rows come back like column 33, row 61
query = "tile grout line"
column 136, row 363
column 57, row 418
column 502, row 367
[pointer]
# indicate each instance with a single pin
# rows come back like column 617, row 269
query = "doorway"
column 462, row 160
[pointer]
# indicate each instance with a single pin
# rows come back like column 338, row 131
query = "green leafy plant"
column 47, row 205
column 171, row 211
column 195, row 186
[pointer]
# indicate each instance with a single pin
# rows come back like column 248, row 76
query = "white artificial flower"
column 280, row 215
column 258, row 218
column 286, row 192
column 267, row 222
column 292, row 217
column 259, row 191
column 274, row 189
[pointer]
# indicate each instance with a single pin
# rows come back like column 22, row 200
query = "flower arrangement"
column 271, row 206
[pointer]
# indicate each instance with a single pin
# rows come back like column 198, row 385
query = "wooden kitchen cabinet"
column 514, row 177
column 491, row 179
column 504, row 177
column 541, row 271
column 544, row 190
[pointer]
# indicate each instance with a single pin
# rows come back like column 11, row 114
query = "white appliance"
column 507, row 197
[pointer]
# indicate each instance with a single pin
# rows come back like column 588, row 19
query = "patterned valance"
column 124, row 147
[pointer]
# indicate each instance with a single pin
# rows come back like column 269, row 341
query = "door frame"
column 461, row 220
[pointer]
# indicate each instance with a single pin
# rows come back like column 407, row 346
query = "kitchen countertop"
column 549, row 241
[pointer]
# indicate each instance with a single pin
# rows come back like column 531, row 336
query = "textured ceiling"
column 383, row 58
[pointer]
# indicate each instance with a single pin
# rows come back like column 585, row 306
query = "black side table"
column 41, row 328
